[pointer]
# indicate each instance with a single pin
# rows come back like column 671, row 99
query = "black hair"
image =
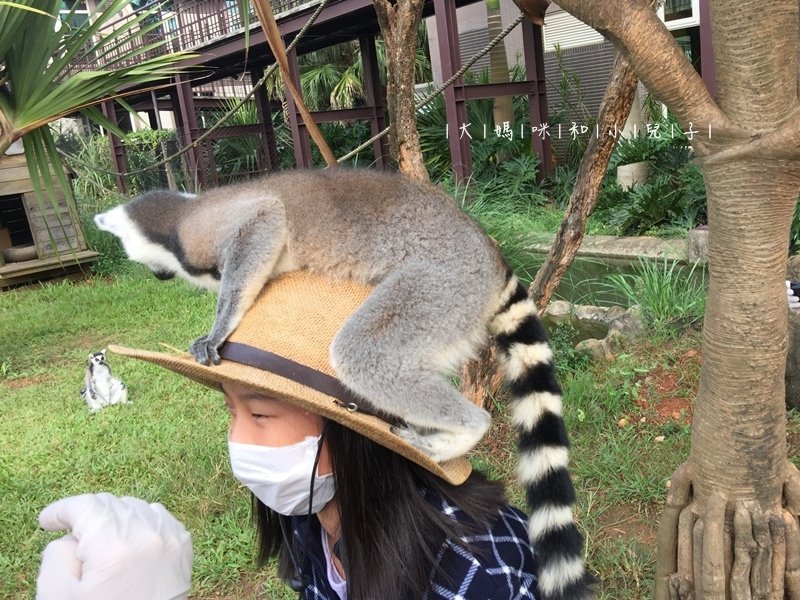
column 391, row 532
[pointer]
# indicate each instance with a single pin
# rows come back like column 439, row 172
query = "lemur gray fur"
column 100, row 387
column 441, row 286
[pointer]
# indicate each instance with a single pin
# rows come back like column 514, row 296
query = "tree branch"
column 783, row 142
column 614, row 110
column 384, row 11
column 275, row 41
column 642, row 37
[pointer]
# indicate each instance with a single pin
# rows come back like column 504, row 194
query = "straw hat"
column 281, row 348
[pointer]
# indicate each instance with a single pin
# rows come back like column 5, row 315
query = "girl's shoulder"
column 494, row 563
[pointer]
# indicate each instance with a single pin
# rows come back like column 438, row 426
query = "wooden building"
column 214, row 31
column 36, row 242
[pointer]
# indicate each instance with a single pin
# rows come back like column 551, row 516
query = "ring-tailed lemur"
column 439, row 284
column 100, row 387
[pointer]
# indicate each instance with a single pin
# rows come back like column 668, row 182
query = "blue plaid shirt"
column 501, row 565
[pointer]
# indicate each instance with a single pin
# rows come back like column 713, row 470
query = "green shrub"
column 559, row 184
column 670, row 297
column 343, row 137
column 794, row 236
column 673, row 197
column 566, row 357
column 95, row 188
column 235, row 157
column 144, row 149
column 516, row 179
column 489, row 150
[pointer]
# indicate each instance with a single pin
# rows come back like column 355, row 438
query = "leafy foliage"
column 235, row 156
column 342, row 137
column 146, row 147
column 566, row 357
column 674, row 194
column 794, row 236
column 489, row 145
column 559, row 184
column 669, row 297
column 38, row 84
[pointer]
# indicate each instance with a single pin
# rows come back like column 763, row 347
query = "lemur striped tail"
column 542, row 462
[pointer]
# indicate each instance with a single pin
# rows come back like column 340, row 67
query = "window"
column 678, row 14
column 677, row 9
column 73, row 12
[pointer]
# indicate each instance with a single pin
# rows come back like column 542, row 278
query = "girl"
column 351, row 510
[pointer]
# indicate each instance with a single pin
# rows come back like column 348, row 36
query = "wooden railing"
column 184, row 25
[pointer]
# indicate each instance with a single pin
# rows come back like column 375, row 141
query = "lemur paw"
column 205, row 352
column 440, row 445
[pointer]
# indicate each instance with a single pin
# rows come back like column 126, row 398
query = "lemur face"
column 138, row 246
column 98, row 358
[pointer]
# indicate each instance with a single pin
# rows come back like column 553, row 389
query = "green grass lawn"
column 169, row 444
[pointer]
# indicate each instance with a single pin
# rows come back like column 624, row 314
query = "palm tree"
column 332, row 77
column 40, row 82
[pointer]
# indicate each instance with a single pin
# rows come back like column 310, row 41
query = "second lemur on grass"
column 440, row 288
column 100, row 387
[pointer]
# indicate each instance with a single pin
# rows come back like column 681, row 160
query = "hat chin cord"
column 301, row 581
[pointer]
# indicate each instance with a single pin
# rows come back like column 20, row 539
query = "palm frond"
column 43, row 76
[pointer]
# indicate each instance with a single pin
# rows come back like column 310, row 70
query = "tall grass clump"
column 670, row 297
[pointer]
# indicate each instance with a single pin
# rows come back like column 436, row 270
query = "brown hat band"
column 289, row 369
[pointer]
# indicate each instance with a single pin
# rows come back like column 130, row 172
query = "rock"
column 558, row 310
column 615, row 312
column 614, row 323
column 632, row 174
column 615, row 338
column 622, row 422
column 597, row 349
column 697, row 244
column 628, row 324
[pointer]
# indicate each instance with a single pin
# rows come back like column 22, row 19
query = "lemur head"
column 98, row 358
column 146, row 226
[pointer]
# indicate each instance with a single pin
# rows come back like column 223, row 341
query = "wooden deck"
column 72, row 265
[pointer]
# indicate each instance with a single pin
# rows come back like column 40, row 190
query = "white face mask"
column 281, row 476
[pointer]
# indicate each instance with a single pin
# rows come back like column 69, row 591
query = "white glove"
column 794, row 301
column 120, row 548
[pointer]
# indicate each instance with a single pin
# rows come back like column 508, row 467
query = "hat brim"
column 454, row 471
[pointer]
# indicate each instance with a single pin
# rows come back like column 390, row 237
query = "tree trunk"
column 398, row 23
column 731, row 531
column 744, row 542
column 730, row 527
column 614, row 110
